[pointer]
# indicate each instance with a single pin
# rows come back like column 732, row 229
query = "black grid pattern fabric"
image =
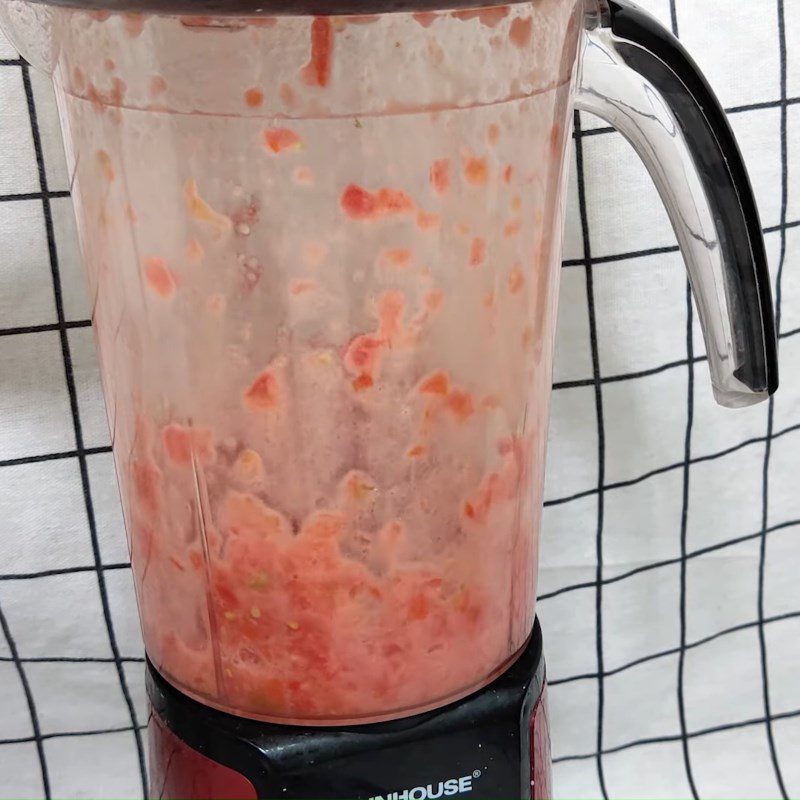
column 671, row 535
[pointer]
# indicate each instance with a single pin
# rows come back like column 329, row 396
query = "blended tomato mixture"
column 322, row 264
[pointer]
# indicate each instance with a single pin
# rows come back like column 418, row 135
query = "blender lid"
column 274, row 7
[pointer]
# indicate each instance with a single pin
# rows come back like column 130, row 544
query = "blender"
column 322, row 243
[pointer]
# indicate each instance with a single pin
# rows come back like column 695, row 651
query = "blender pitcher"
column 323, row 243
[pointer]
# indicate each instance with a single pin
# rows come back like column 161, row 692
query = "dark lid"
column 273, row 7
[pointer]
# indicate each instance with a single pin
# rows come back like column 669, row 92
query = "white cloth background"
column 676, row 660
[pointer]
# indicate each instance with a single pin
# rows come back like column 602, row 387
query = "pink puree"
column 337, row 614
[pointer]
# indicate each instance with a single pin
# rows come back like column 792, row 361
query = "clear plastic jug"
column 323, row 247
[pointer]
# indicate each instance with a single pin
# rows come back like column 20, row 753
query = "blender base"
column 492, row 745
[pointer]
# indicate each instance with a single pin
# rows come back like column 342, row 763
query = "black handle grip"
column 659, row 57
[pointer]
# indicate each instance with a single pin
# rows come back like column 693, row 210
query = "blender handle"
column 638, row 77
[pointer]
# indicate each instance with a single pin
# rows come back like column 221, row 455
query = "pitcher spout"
column 29, row 27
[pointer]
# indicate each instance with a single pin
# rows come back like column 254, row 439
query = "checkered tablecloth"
column 670, row 581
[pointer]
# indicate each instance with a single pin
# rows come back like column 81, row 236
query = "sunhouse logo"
column 448, row 788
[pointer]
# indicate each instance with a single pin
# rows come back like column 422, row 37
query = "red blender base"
column 493, row 745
